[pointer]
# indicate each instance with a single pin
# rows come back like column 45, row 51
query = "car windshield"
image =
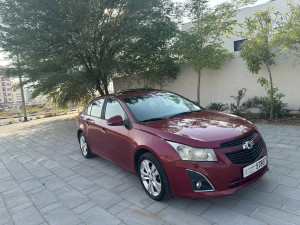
column 158, row 106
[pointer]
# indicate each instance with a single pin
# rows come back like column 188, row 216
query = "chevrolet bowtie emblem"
column 248, row 145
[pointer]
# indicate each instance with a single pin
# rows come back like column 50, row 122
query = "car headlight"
column 193, row 154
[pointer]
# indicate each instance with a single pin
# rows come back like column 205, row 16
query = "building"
column 17, row 96
column 27, row 95
column 10, row 93
column 6, row 92
column 219, row 85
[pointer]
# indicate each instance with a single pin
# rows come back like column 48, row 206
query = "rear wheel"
column 153, row 178
column 84, row 147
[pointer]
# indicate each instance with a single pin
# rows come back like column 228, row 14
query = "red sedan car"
column 173, row 145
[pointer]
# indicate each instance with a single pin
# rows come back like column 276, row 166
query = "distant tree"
column 261, row 47
column 201, row 46
column 70, row 49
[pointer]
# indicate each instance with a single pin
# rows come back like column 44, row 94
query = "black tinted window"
column 238, row 45
column 97, row 108
column 113, row 108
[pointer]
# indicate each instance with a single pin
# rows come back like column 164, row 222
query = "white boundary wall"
column 219, row 85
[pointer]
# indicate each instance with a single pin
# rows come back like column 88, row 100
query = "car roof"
column 128, row 93
column 133, row 92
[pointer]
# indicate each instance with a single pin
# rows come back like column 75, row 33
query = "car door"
column 117, row 144
column 94, row 126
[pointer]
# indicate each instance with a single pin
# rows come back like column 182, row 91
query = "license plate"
column 248, row 170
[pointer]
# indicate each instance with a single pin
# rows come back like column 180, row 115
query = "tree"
column 289, row 32
column 260, row 48
column 201, row 45
column 73, row 48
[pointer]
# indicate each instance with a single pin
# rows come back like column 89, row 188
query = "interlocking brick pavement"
column 45, row 180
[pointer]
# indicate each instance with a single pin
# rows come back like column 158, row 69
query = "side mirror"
column 115, row 121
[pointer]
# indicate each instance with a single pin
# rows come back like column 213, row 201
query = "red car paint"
column 203, row 129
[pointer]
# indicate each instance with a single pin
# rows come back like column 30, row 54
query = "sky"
column 4, row 62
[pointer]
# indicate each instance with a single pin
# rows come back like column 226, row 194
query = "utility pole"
column 22, row 91
column 23, row 99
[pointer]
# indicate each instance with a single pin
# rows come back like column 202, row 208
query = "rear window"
column 97, row 108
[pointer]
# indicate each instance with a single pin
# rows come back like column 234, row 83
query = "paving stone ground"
column 45, row 180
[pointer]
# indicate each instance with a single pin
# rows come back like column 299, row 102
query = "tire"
column 153, row 178
column 84, row 147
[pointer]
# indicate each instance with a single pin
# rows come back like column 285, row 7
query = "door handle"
column 103, row 130
column 89, row 121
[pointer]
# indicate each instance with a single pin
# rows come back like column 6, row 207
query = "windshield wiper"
column 163, row 118
column 180, row 114
column 184, row 113
column 152, row 119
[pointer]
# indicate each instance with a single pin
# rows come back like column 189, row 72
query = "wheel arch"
column 137, row 155
column 140, row 152
column 79, row 131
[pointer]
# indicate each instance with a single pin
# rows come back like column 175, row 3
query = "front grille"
column 247, row 155
column 239, row 141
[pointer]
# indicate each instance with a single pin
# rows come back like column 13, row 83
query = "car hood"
column 206, row 128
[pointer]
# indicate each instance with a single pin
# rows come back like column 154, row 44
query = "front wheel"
column 153, row 178
column 84, row 147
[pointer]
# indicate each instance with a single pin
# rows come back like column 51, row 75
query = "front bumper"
column 224, row 176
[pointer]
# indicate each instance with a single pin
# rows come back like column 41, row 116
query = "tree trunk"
column 106, row 88
column 198, row 87
column 98, row 87
column 272, row 94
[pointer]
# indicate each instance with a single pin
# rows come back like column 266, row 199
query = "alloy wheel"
column 83, row 146
column 150, row 177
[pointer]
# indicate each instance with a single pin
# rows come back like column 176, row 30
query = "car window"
column 113, row 108
column 160, row 105
column 88, row 110
column 97, row 108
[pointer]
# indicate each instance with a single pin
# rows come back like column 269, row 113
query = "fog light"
column 198, row 185
column 199, row 181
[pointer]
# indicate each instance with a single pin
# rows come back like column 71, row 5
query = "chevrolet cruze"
column 173, row 145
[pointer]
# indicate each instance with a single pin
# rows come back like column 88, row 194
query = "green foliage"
column 76, row 91
column 237, row 108
column 219, row 106
column 256, row 53
column 165, row 70
column 255, row 102
column 273, row 101
column 263, row 104
column 279, row 107
column 261, row 46
column 70, row 49
column 201, row 45
column 289, row 33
